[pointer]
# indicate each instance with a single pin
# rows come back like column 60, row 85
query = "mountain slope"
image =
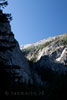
column 53, row 47
column 48, row 61
column 45, row 74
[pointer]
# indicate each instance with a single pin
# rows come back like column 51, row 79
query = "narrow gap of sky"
column 34, row 20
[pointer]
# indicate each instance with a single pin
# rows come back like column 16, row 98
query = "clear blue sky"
column 34, row 20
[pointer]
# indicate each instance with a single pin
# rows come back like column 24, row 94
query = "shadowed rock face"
column 12, row 60
column 47, row 63
column 14, row 66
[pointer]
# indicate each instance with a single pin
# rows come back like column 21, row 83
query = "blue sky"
column 34, row 20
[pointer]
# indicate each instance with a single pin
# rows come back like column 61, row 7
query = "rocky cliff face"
column 45, row 70
column 53, row 47
column 48, row 58
column 12, row 60
column 49, row 54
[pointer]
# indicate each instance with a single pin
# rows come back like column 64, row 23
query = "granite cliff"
column 40, row 67
column 54, row 47
column 13, row 65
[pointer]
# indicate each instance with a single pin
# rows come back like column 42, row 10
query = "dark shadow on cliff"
column 55, row 74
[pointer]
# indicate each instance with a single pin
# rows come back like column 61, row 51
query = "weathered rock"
column 46, row 73
column 63, row 57
column 53, row 47
column 11, row 58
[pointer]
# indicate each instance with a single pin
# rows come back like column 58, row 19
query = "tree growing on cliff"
column 3, row 3
column 4, row 17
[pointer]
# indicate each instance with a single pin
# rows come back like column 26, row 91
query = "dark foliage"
column 5, row 17
column 3, row 3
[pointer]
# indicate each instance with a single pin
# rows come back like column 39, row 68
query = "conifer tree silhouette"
column 3, row 3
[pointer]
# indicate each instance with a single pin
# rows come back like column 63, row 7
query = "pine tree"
column 6, row 17
column 3, row 3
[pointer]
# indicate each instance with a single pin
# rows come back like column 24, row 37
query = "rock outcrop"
column 63, row 57
column 53, row 47
column 12, row 60
column 49, row 54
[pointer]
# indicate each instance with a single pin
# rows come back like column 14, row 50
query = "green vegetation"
column 44, row 45
column 33, row 50
column 54, row 50
column 39, row 47
column 34, row 59
column 64, row 41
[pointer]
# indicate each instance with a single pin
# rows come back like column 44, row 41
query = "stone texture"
column 11, row 57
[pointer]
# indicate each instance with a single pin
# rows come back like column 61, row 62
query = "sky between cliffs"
column 34, row 20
